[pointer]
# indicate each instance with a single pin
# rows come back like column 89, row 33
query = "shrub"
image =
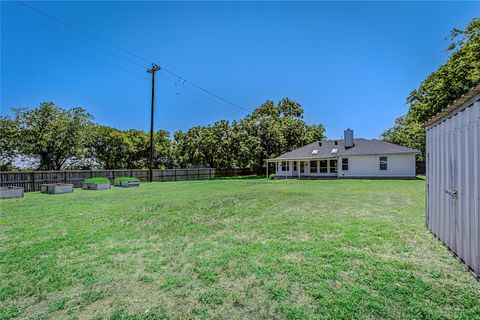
column 271, row 176
column 120, row 179
column 96, row 180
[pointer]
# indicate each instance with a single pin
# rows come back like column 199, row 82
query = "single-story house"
column 347, row 158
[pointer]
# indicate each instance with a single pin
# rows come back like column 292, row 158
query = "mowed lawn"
column 230, row 249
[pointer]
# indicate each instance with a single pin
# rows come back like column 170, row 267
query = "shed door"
column 452, row 187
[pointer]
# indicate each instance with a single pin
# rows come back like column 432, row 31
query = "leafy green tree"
column 193, row 147
column 459, row 74
column 279, row 129
column 164, row 156
column 130, row 149
column 406, row 132
column 269, row 131
column 9, row 138
column 109, row 146
column 56, row 136
column 137, row 153
column 51, row 134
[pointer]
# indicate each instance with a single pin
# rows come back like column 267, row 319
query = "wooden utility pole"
column 152, row 71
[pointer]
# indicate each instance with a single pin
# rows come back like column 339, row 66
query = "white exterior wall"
column 402, row 166
column 453, row 182
column 291, row 173
column 398, row 165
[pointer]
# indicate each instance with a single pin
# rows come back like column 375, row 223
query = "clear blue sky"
column 348, row 64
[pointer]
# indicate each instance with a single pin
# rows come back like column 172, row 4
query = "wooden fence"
column 31, row 180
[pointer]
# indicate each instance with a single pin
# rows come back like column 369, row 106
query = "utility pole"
column 152, row 71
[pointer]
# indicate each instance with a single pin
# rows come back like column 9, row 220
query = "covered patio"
column 324, row 167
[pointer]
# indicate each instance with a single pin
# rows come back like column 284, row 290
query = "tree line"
column 53, row 138
column 458, row 75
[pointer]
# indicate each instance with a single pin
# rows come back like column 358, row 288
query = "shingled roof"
column 362, row 147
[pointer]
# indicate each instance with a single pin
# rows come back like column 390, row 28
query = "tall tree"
column 165, row 156
column 269, row 131
column 109, row 147
column 9, row 138
column 129, row 149
column 279, row 129
column 460, row 73
column 51, row 134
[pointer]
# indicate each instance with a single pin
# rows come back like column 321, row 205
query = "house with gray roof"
column 347, row 158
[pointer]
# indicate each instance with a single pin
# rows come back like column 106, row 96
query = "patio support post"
column 298, row 169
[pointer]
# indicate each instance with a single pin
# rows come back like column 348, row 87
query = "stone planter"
column 11, row 192
column 127, row 184
column 96, row 186
column 56, row 188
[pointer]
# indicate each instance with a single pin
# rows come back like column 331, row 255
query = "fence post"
column 33, row 180
column 210, row 173
column 198, row 174
column 175, row 170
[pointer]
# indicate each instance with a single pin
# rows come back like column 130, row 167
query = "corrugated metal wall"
column 453, row 182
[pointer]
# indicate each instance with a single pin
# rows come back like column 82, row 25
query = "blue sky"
column 349, row 64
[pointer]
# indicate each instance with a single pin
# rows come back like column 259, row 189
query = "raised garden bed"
column 96, row 184
column 11, row 192
column 126, row 182
column 56, row 188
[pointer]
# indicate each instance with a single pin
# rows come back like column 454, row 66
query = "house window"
column 345, row 164
column 313, row 166
column 285, row 166
column 333, row 166
column 323, row 166
column 294, row 165
column 383, row 163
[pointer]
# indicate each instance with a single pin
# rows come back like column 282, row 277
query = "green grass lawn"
column 230, row 249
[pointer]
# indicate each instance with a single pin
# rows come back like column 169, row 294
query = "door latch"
column 452, row 192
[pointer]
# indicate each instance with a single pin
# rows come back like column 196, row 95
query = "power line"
column 171, row 91
column 205, row 90
column 76, row 38
column 176, row 83
column 80, row 30
column 189, row 99
column 61, row 44
column 130, row 53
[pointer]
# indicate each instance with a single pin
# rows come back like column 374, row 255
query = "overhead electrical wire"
column 61, row 44
column 205, row 90
column 181, row 81
column 176, row 93
column 80, row 30
column 73, row 37
column 178, row 83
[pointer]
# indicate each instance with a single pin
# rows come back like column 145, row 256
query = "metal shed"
column 453, row 177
